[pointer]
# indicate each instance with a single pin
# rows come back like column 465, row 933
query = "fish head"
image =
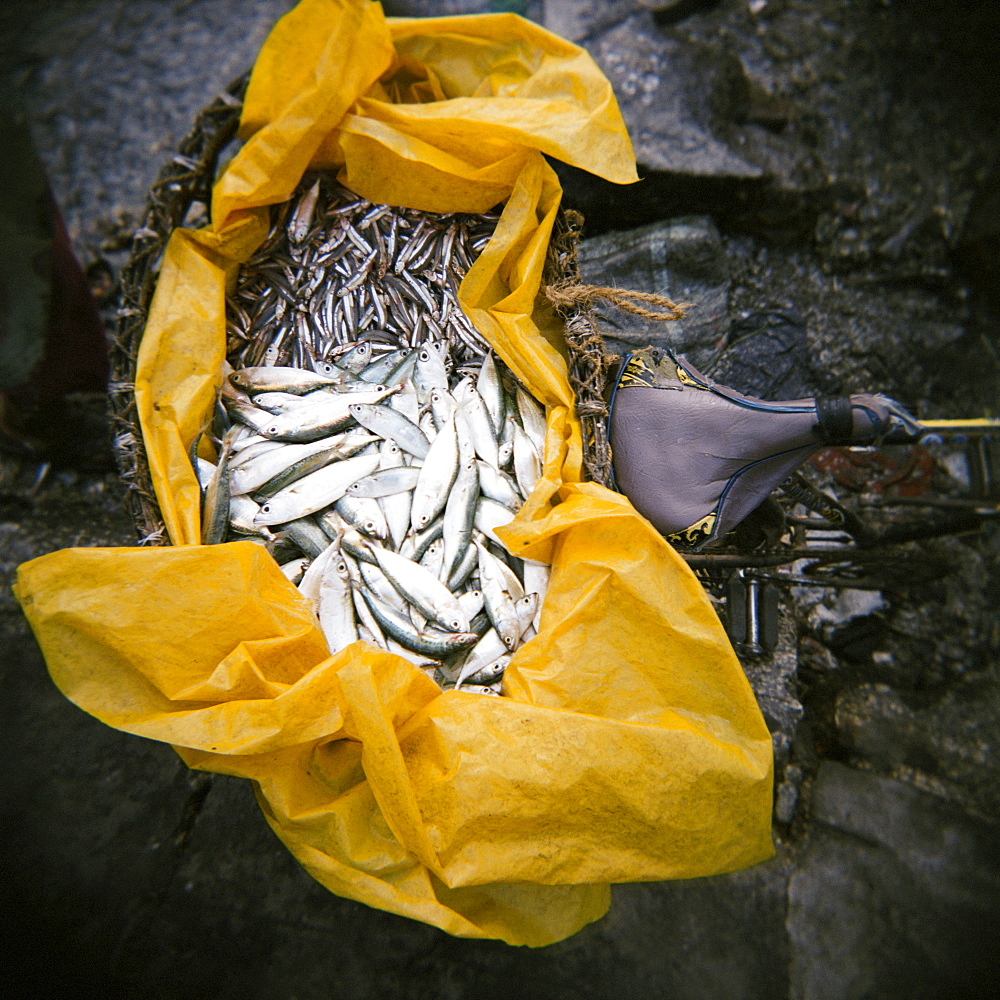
column 462, row 640
column 527, row 604
column 277, row 510
column 464, row 390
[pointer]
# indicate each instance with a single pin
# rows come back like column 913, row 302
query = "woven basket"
column 182, row 195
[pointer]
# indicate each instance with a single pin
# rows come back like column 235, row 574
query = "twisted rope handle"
column 568, row 295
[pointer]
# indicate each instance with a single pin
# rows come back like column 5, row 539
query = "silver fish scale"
column 334, row 272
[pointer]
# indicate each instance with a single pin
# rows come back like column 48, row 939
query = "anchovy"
column 302, row 218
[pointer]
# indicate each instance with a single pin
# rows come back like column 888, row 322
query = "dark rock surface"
column 835, row 164
column 579, row 20
column 896, row 894
column 669, row 93
column 111, row 88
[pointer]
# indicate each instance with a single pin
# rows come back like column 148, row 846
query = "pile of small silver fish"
column 336, row 268
column 376, row 463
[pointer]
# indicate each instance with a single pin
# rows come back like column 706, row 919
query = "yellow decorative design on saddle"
column 636, row 373
column 697, row 533
column 686, row 379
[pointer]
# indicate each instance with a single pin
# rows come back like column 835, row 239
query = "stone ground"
column 832, row 162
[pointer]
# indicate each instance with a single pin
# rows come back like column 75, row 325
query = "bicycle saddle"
column 696, row 457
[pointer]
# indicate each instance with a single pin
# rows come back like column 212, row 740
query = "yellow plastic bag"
column 630, row 746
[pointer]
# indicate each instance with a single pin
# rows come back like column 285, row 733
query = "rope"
column 567, row 295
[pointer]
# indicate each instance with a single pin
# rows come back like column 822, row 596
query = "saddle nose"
column 695, row 457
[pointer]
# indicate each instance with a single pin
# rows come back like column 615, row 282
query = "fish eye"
column 424, row 355
column 273, row 429
column 266, row 509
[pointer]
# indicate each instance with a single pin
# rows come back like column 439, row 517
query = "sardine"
column 437, row 475
column 215, row 512
column 400, row 628
column 335, row 608
column 278, row 379
column 423, row 590
column 388, row 423
column 317, row 490
column 384, row 482
column 459, row 515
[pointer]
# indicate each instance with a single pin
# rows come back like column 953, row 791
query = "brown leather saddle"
column 696, row 457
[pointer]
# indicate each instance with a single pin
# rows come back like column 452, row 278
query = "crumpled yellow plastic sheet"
column 629, row 746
